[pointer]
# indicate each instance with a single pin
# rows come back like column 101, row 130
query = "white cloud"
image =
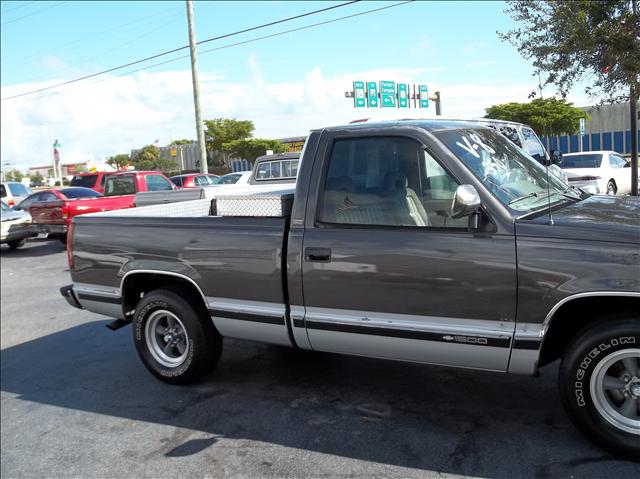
column 98, row 120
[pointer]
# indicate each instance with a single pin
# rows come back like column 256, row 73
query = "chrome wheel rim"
column 610, row 189
column 615, row 389
column 167, row 339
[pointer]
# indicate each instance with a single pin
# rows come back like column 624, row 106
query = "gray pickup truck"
column 437, row 242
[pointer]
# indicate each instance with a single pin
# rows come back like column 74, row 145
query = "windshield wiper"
column 530, row 195
column 574, row 190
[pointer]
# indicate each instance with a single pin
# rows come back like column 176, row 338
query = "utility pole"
column 196, row 89
column 633, row 107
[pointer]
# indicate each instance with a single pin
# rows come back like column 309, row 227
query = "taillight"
column 11, row 203
column 70, row 246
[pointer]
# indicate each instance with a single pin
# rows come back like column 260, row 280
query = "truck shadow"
column 427, row 418
column 33, row 248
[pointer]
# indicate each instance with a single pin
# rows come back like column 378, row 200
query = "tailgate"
column 48, row 212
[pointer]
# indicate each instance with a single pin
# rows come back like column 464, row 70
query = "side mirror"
column 556, row 157
column 627, row 164
column 466, row 201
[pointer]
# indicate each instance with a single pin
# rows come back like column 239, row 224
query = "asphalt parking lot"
column 77, row 402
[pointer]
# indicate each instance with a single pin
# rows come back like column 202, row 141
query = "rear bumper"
column 51, row 229
column 70, row 296
column 18, row 234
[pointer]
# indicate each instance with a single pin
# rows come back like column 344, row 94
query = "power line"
column 33, row 13
column 129, row 72
column 168, row 52
column 18, row 7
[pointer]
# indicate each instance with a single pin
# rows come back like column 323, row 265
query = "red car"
column 193, row 180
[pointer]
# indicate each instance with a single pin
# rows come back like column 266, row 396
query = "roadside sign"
column 372, row 93
column 387, row 94
column 359, row 100
column 403, row 100
column 424, row 96
column 174, row 152
column 582, row 126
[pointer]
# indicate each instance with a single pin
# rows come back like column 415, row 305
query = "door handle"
column 318, row 255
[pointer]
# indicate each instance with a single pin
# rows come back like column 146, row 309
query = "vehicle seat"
column 409, row 209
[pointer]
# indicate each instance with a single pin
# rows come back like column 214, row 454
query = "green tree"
column 37, row 178
column 184, row 141
column 252, row 148
column 149, row 158
column 548, row 116
column 596, row 41
column 14, row 175
column 119, row 162
column 221, row 131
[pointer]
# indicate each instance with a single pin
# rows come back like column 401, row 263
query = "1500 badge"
column 466, row 340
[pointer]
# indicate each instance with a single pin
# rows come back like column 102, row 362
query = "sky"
column 286, row 84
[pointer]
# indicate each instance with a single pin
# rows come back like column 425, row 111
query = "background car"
column 193, row 180
column 237, row 178
column 52, row 210
column 598, row 172
column 12, row 192
column 16, row 226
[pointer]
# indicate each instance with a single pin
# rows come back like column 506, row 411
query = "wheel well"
column 137, row 285
column 576, row 315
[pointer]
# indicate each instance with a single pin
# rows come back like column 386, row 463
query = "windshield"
column 511, row 175
column 581, row 161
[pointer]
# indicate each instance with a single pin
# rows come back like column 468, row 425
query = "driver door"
column 387, row 278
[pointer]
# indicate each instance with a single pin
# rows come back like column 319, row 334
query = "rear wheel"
column 176, row 341
column 600, row 384
column 17, row 243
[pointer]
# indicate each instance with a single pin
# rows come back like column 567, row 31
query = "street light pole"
column 196, row 89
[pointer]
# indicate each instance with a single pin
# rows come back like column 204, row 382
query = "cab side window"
column 532, row 144
column 157, row 183
column 387, row 182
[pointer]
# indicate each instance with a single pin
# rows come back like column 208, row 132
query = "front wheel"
column 599, row 384
column 176, row 341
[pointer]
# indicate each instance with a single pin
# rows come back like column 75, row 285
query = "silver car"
column 12, row 192
column 16, row 226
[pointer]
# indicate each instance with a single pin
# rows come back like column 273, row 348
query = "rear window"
column 18, row 189
column 120, row 185
column 73, row 193
column 281, row 169
column 87, row 181
column 229, row 179
column 581, row 161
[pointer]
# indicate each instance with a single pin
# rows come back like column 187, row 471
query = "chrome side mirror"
column 466, row 201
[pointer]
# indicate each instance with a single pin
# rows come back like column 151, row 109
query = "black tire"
column 611, row 188
column 16, row 243
column 600, row 413
column 63, row 238
column 197, row 349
